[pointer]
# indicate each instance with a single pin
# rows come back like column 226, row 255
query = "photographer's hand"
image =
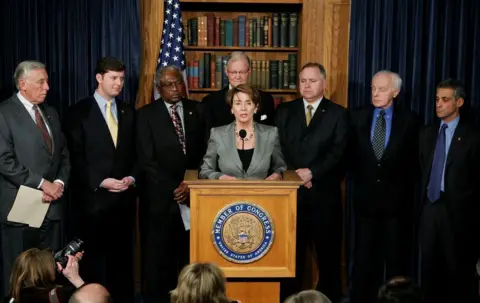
column 71, row 271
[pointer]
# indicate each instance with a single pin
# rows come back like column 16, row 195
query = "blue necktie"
column 438, row 164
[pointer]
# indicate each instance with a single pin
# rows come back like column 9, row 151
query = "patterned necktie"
column 438, row 164
column 43, row 128
column 309, row 114
column 378, row 142
column 177, row 124
column 112, row 123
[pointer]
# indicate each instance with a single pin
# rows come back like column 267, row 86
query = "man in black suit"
column 383, row 150
column 313, row 135
column 101, row 136
column 450, row 192
column 33, row 153
column 172, row 137
column 238, row 70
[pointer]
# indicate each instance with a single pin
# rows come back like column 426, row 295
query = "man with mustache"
column 33, row 153
column 101, row 136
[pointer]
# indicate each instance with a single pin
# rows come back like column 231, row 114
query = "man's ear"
column 395, row 93
column 99, row 78
column 459, row 102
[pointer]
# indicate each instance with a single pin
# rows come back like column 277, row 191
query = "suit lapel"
column 431, row 142
column 317, row 116
column 228, row 138
column 164, row 115
column 97, row 117
column 395, row 131
column 23, row 115
column 458, row 140
column 121, row 122
column 48, row 121
column 258, row 151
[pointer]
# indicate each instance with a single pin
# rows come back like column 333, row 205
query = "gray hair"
column 24, row 68
column 164, row 69
column 396, row 79
column 308, row 296
column 237, row 56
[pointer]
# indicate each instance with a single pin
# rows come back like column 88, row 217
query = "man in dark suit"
column 313, row 136
column 383, row 150
column 101, row 136
column 172, row 137
column 238, row 70
column 33, row 153
column 450, row 192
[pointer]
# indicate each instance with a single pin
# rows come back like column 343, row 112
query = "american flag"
column 171, row 50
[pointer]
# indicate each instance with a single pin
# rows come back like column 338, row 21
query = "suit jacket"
column 24, row 159
column 384, row 187
column 94, row 156
column 220, row 113
column 222, row 155
column 321, row 146
column 462, row 174
column 161, row 159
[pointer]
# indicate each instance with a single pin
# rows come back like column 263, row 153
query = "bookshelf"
column 267, row 33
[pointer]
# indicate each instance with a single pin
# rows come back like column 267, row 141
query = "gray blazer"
column 24, row 159
column 222, row 156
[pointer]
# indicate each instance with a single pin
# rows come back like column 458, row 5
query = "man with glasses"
column 237, row 70
column 172, row 135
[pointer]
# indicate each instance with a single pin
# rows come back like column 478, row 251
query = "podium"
column 248, row 229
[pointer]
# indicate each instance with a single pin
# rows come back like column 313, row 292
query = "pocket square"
column 263, row 117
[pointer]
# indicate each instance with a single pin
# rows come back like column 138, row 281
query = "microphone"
column 242, row 133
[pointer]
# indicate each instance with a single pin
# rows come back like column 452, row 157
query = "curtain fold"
column 69, row 37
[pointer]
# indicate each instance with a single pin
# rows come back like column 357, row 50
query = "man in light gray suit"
column 33, row 153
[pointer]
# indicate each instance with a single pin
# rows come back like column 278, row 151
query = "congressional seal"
column 242, row 232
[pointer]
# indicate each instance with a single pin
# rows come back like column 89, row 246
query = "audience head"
column 244, row 101
column 31, row 79
column 385, row 87
column 32, row 268
column 308, row 296
column 91, row 293
column 312, row 81
column 170, row 84
column 399, row 290
column 450, row 98
column 110, row 75
column 200, row 283
column 238, row 68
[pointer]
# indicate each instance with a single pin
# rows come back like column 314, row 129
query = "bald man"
column 91, row 293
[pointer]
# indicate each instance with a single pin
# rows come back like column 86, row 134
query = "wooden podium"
column 235, row 222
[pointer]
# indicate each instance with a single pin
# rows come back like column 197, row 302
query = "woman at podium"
column 243, row 149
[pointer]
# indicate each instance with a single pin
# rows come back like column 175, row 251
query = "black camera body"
column 72, row 248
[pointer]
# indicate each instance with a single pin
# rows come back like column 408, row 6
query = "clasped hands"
column 306, row 175
column 51, row 191
column 117, row 186
column 180, row 194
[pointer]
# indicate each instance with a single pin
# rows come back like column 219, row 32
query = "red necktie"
column 43, row 128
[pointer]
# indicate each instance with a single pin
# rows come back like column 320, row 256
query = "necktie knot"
column 309, row 107
column 381, row 114
column 443, row 128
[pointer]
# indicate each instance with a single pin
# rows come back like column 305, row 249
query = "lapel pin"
column 323, row 110
column 122, row 111
column 189, row 113
column 459, row 139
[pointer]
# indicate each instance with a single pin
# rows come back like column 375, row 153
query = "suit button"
column 378, row 165
column 378, row 181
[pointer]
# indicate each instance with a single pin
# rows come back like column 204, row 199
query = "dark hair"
column 248, row 89
column 320, row 67
column 107, row 64
column 456, row 86
column 400, row 290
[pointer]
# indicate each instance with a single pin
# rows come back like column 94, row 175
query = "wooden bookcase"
column 231, row 9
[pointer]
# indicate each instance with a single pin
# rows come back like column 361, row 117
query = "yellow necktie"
column 112, row 123
column 309, row 114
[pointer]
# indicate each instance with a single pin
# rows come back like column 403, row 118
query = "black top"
column 41, row 295
column 245, row 157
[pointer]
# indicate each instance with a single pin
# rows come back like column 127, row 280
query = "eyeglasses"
column 170, row 85
column 236, row 73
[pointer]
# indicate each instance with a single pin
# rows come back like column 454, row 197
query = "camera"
column 71, row 249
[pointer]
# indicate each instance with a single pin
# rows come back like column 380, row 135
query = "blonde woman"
column 200, row 283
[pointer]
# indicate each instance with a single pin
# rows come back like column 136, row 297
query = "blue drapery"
column 69, row 37
column 425, row 42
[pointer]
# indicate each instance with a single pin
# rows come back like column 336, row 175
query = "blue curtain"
column 425, row 41
column 69, row 37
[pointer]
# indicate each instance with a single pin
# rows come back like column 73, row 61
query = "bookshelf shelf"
column 241, row 48
column 272, row 91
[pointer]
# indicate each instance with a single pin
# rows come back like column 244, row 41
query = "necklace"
column 247, row 137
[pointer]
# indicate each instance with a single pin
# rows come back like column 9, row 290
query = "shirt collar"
column 25, row 102
column 101, row 100
column 452, row 125
column 178, row 104
column 314, row 104
column 388, row 111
